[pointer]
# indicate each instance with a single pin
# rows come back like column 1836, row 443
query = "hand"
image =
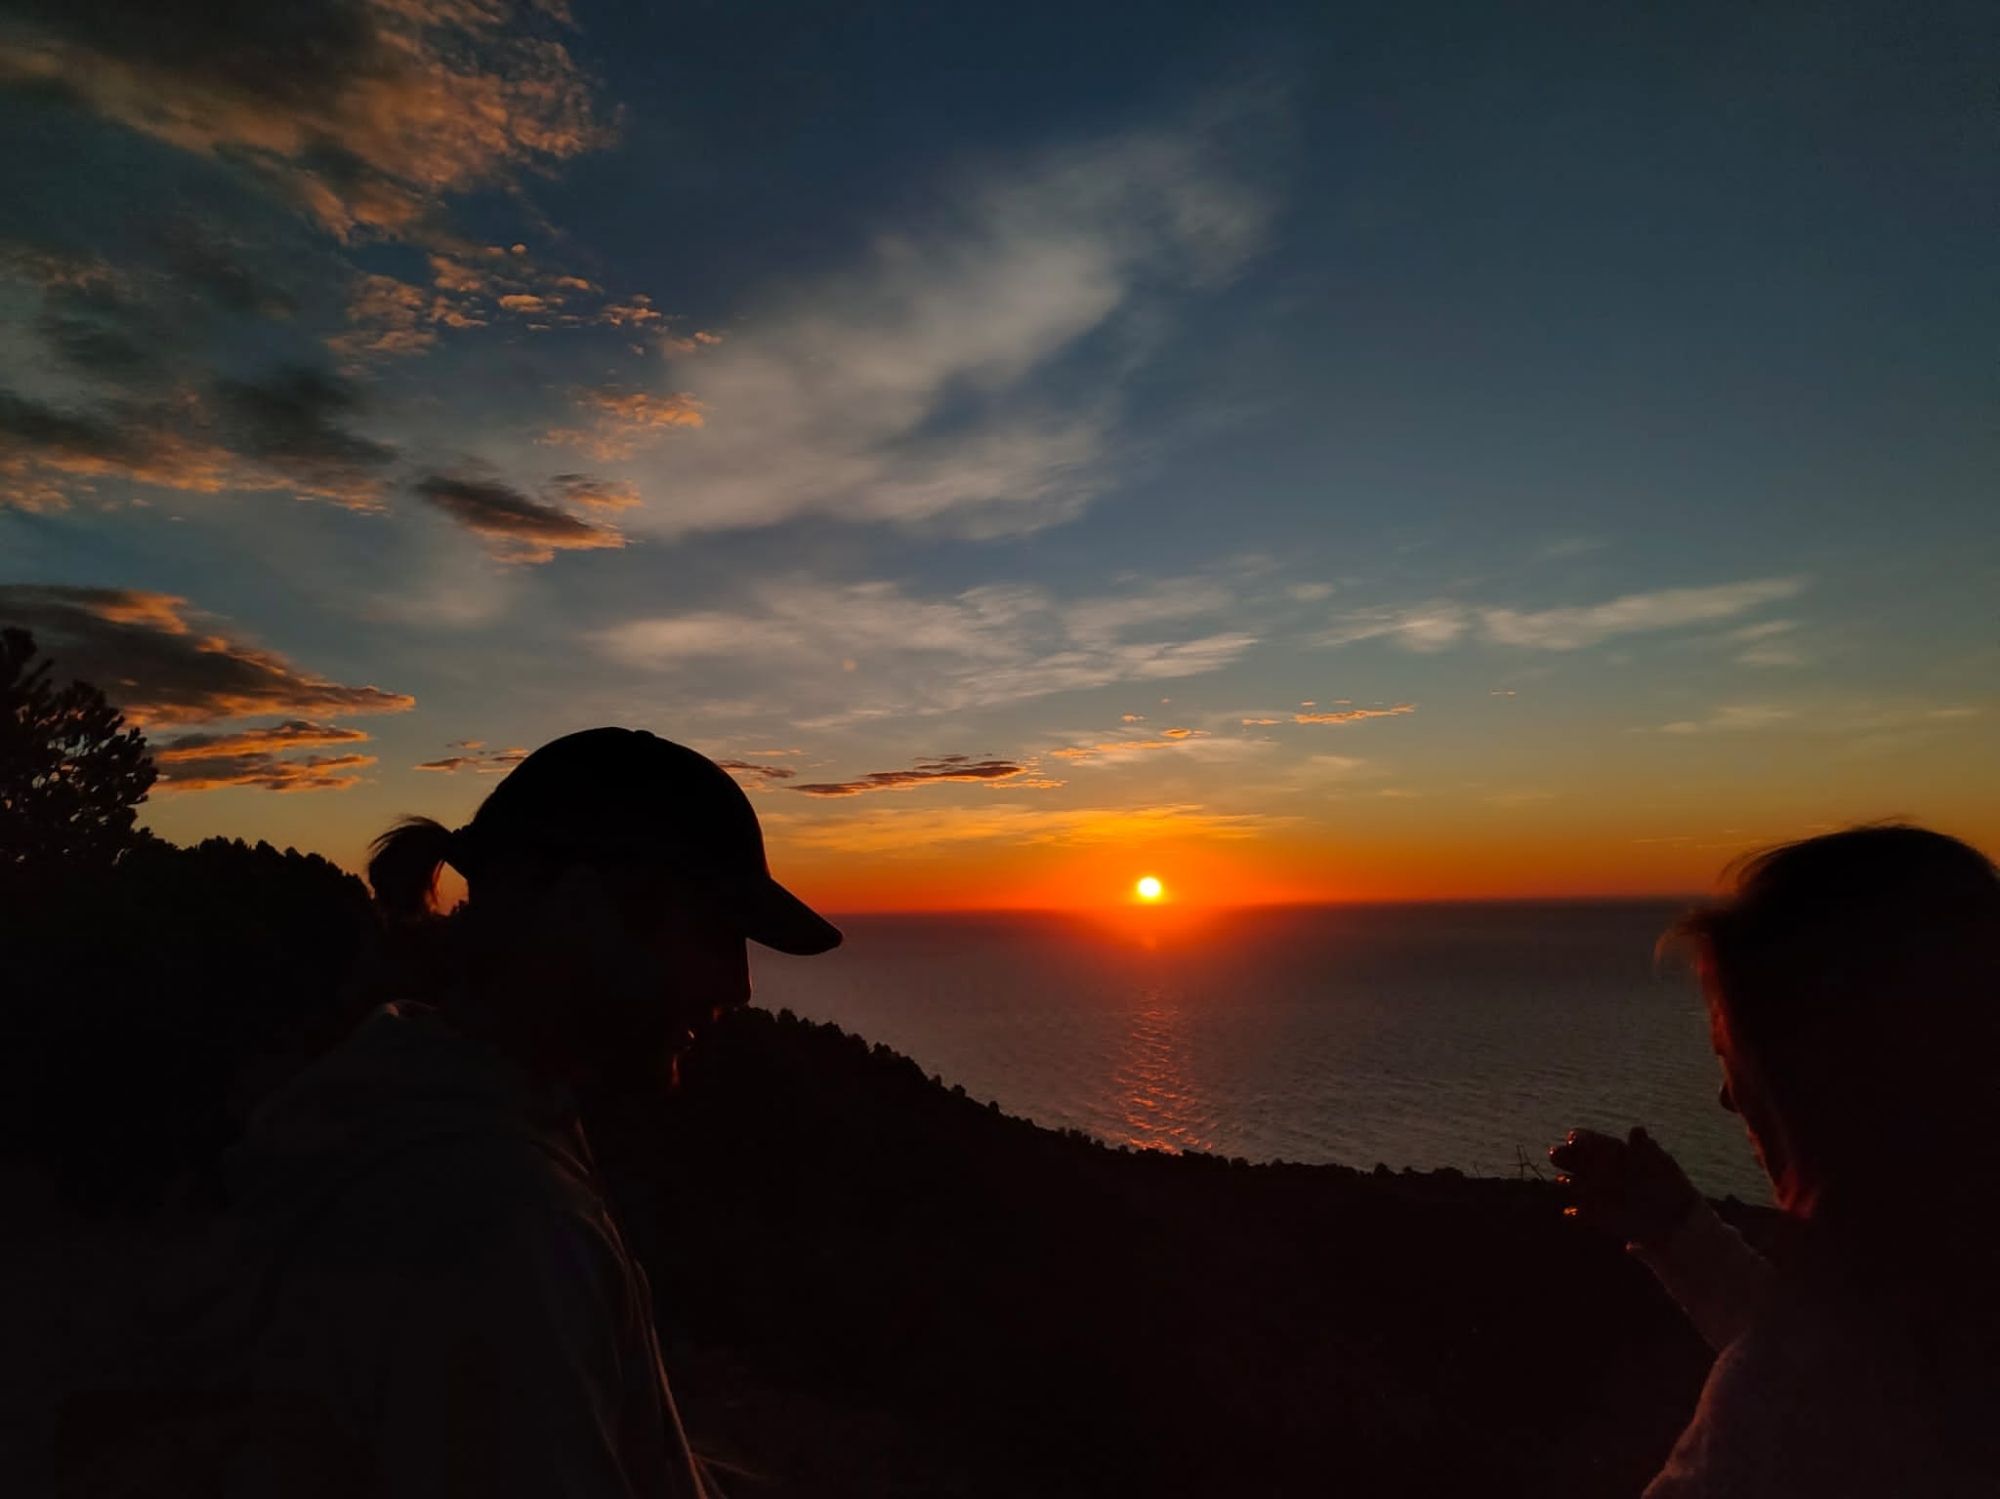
column 1630, row 1187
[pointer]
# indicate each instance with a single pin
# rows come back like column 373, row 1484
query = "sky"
column 1299, row 452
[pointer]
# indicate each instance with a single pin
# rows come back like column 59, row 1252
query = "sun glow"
column 1149, row 888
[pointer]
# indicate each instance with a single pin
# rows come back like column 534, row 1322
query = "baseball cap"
column 626, row 793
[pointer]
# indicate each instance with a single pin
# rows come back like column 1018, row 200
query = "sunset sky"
column 1302, row 452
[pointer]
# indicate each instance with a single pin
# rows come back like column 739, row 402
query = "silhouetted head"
column 613, row 880
column 1851, row 982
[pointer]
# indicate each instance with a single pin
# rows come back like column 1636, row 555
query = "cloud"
column 1353, row 715
column 917, row 830
column 758, row 774
column 1732, row 718
column 477, row 758
column 945, row 769
column 388, row 317
column 916, row 384
column 621, row 420
column 1439, row 624
column 141, row 650
column 284, row 432
column 1125, row 749
column 254, row 758
column 289, row 425
column 291, row 735
column 515, row 527
column 1420, row 627
column 633, row 312
column 1669, row 608
column 265, row 773
column 997, row 643
column 364, row 113
column 595, row 494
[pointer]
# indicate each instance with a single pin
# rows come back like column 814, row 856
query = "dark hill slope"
column 875, row 1285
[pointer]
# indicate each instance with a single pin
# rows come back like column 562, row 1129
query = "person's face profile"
column 652, row 962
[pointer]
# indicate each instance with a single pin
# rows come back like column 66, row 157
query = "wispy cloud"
column 911, row 386
column 621, row 421
column 144, row 652
column 1353, row 715
column 265, row 772
column 291, row 735
column 1440, row 624
column 286, row 431
column 1130, row 746
column 907, row 831
column 943, row 770
column 1732, row 718
column 755, row 774
column 476, row 757
column 515, row 526
column 994, row 644
column 261, row 759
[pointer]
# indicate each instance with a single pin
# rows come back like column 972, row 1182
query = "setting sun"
column 1149, row 888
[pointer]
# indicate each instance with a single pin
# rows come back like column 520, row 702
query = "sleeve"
column 508, row 1372
column 1729, row 1449
column 1719, row 1281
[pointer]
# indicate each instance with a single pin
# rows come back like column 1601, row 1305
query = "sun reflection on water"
column 1162, row 1108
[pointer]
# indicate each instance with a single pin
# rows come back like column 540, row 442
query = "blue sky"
column 1413, row 450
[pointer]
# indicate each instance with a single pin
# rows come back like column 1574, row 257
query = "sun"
column 1149, row 888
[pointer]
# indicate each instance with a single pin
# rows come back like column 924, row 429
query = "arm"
column 1719, row 1281
column 1635, row 1190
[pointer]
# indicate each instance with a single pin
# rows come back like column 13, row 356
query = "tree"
column 72, row 774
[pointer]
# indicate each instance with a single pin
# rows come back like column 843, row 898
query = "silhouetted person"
column 431, row 1296
column 1853, row 989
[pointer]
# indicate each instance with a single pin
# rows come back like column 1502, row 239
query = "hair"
column 1860, row 972
column 403, row 868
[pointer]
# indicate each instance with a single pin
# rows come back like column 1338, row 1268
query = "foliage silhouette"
column 144, row 1004
column 72, row 774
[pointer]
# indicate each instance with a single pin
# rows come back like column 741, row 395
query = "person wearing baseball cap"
column 449, row 1305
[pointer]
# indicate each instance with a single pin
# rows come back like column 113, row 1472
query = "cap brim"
column 778, row 919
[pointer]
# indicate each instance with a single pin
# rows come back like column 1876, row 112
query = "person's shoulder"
column 1806, row 1401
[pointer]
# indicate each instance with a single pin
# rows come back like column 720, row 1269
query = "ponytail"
column 403, row 868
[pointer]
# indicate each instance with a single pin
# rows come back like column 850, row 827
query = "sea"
column 1469, row 1035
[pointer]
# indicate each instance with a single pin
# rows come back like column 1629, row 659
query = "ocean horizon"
column 1455, row 1033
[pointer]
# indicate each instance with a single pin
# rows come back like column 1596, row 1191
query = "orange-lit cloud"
column 254, row 758
column 634, row 312
column 291, row 735
column 141, row 650
column 595, row 494
column 515, row 527
column 759, row 774
column 946, row 768
column 476, row 759
column 1352, row 715
column 365, row 114
column 264, row 773
column 623, row 419
column 1122, row 748
column 386, row 317
column 284, row 432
